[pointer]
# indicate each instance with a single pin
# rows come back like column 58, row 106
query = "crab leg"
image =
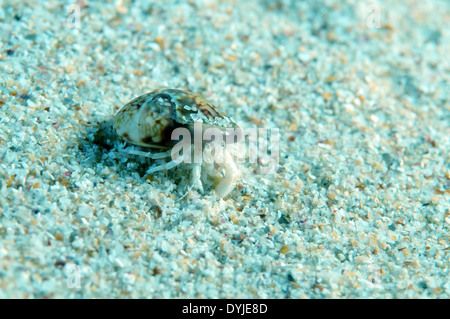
column 148, row 154
column 165, row 166
column 196, row 174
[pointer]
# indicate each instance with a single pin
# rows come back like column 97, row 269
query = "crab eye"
column 233, row 135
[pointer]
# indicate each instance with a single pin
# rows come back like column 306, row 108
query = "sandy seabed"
column 357, row 208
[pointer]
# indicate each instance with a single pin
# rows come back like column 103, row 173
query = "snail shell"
column 149, row 119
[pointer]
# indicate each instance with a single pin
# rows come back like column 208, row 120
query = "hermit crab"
column 184, row 127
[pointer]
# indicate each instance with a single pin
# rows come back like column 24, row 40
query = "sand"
column 357, row 208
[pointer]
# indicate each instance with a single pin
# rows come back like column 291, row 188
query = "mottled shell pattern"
column 149, row 119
